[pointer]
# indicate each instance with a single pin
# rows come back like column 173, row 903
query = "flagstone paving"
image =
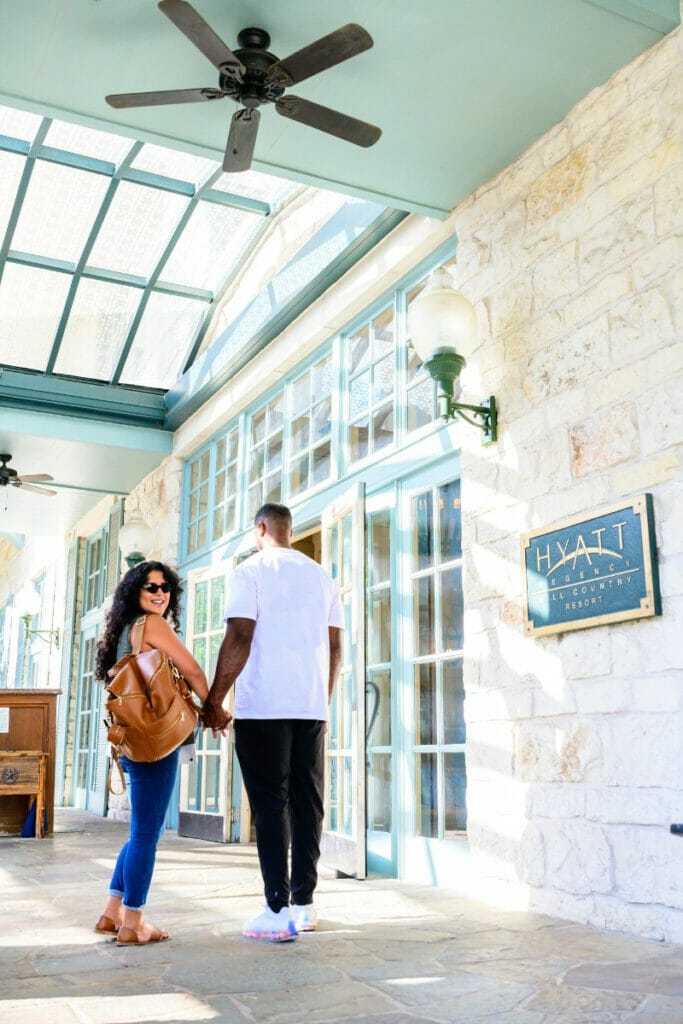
column 386, row 952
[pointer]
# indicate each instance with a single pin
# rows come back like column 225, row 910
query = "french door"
column 207, row 809
column 90, row 739
column 343, row 544
column 435, row 816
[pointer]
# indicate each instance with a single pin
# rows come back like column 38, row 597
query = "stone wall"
column 574, row 258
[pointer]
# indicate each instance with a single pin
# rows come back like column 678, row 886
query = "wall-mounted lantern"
column 136, row 539
column 442, row 324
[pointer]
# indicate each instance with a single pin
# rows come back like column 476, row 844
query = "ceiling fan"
column 252, row 76
column 10, row 477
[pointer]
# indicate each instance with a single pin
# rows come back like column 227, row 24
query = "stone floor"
column 386, row 952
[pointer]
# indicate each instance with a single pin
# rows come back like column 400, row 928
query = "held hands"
column 216, row 718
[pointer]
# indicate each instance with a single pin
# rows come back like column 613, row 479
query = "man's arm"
column 335, row 658
column 232, row 658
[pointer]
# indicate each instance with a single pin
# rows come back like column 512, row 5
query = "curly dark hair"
column 126, row 607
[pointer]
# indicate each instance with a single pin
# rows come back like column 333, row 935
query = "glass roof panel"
column 18, row 124
column 11, row 168
column 136, row 230
column 31, row 303
column 88, row 142
column 168, row 328
column 210, row 246
column 255, row 185
column 59, row 211
column 172, row 164
column 97, row 329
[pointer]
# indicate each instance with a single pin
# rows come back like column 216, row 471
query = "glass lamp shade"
column 27, row 601
column 441, row 320
column 135, row 537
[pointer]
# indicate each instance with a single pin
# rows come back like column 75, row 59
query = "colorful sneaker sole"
column 283, row 936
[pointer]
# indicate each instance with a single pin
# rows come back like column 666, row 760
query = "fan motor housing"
column 256, row 58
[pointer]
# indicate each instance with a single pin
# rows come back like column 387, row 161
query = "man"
column 283, row 647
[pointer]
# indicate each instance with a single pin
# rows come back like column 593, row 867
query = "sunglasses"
column 152, row 588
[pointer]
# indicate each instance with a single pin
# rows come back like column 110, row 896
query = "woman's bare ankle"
column 113, row 909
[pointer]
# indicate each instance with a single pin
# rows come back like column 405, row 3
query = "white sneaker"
column 271, row 927
column 305, row 918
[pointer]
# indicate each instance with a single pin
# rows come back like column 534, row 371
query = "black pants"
column 282, row 762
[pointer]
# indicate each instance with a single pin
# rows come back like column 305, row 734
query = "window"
column 439, row 736
column 421, row 389
column 196, row 535
column 265, row 455
column 310, row 427
column 371, row 386
column 225, row 486
column 95, row 571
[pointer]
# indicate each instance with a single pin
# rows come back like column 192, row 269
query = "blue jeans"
column 150, row 787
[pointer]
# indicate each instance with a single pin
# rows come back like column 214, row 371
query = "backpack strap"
column 116, row 763
column 136, row 647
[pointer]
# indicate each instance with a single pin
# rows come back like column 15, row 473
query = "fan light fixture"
column 28, row 603
column 135, row 539
column 442, row 325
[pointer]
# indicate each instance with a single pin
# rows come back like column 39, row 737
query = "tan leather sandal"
column 129, row 937
column 105, row 924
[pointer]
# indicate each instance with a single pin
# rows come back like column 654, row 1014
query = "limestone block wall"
column 574, row 258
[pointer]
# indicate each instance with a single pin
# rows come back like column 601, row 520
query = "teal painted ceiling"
column 459, row 87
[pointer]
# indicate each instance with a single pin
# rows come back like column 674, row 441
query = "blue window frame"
column 95, row 571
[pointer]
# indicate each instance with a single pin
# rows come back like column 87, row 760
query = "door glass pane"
column 333, row 795
column 455, row 785
column 347, row 528
column 427, row 795
column 379, row 626
column 425, row 704
column 378, row 708
column 217, row 603
column 212, row 784
column 451, row 610
column 192, row 784
column 214, row 647
column 450, row 521
column 334, row 564
column 424, row 530
column 348, row 798
column 380, row 562
column 423, row 589
column 199, row 651
column 379, row 792
column 200, row 608
column 453, row 702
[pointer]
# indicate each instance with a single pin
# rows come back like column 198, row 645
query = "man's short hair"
column 277, row 518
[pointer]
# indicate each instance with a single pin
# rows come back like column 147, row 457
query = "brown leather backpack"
column 150, row 706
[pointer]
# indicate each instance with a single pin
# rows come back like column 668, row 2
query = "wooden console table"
column 28, row 723
column 22, row 773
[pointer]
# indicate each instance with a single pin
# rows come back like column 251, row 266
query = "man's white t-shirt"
column 293, row 601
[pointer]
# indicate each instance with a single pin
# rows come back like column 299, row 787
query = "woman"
column 146, row 596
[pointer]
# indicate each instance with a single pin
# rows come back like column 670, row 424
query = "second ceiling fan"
column 252, row 77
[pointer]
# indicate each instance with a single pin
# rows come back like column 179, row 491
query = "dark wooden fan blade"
column 34, row 478
column 158, row 99
column 331, row 121
column 32, row 488
column 192, row 25
column 239, row 151
column 318, row 56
